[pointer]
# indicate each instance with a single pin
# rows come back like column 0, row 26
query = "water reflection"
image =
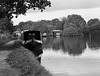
column 72, row 45
column 72, row 56
column 94, row 42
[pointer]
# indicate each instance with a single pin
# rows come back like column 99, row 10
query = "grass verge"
column 23, row 59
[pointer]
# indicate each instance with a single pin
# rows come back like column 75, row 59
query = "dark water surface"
column 72, row 56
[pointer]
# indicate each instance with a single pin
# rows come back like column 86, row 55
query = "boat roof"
column 31, row 33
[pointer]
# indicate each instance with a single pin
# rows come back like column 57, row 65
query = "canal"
column 72, row 56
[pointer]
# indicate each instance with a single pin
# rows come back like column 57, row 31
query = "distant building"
column 56, row 32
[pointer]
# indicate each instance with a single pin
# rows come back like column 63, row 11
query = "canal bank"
column 20, row 61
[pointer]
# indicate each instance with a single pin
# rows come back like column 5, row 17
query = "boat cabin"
column 32, row 41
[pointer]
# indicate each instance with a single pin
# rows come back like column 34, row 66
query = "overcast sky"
column 61, row 7
column 72, row 4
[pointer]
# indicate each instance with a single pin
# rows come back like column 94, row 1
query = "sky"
column 62, row 8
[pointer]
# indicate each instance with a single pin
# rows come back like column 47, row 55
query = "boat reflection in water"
column 32, row 41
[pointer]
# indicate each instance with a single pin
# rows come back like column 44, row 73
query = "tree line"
column 72, row 25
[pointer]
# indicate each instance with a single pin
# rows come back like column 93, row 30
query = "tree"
column 57, row 25
column 77, row 20
column 42, row 26
column 66, row 25
column 93, row 25
column 63, row 21
column 17, row 7
column 6, row 26
column 70, row 31
column 29, row 25
column 92, row 21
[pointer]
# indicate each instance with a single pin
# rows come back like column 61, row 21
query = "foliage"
column 66, row 25
column 72, row 22
column 70, row 31
column 92, row 21
column 17, row 7
column 6, row 25
column 77, row 20
column 56, row 24
column 93, row 25
column 63, row 21
column 44, row 29
column 42, row 26
column 29, row 25
column 46, row 26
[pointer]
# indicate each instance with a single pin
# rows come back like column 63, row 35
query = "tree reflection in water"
column 72, row 45
column 94, row 42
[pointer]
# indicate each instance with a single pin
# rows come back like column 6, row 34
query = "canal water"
column 72, row 56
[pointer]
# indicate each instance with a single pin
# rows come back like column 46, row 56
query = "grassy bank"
column 22, row 59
